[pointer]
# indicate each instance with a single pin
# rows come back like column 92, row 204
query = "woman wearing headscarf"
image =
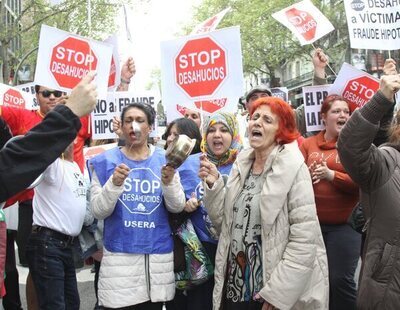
column 221, row 143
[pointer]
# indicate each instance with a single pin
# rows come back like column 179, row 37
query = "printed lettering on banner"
column 202, row 72
column 30, row 89
column 65, row 58
column 305, row 21
column 111, row 106
column 280, row 92
column 313, row 96
column 200, row 67
column 373, row 24
column 142, row 191
column 355, row 85
column 13, row 97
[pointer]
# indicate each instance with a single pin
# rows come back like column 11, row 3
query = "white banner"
column 202, row 72
column 111, row 106
column 280, row 92
column 65, row 58
column 305, row 21
column 373, row 24
column 211, row 23
column 313, row 97
column 115, row 69
column 355, row 85
column 29, row 88
column 92, row 151
column 13, row 97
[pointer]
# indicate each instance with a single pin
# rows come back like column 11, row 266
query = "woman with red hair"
column 270, row 252
column 335, row 196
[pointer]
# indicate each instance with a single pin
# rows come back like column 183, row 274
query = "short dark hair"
column 37, row 88
column 188, row 127
column 146, row 108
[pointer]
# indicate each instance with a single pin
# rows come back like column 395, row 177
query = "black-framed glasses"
column 47, row 93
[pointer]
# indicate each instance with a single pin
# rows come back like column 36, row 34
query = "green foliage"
column 69, row 15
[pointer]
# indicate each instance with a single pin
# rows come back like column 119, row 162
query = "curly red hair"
column 287, row 131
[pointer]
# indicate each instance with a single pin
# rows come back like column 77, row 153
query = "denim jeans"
column 52, row 267
column 343, row 250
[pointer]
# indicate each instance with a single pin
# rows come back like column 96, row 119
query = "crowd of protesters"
column 263, row 226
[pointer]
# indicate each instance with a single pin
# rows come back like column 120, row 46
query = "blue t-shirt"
column 139, row 223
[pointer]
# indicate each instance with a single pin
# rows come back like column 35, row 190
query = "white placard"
column 355, row 85
column 92, row 151
column 13, row 97
column 280, row 92
column 305, row 21
column 202, row 72
column 373, row 24
column 115, row 70
column 111, row 106
column 30, row 88
column 211, row 23
column 313, row 97
column 64, row 58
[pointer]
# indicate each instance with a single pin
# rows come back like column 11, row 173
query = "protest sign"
column 211, row 23
column 29, row 88
column 280, row 92
column 313, row 97
column 373, row 24
column 13, row 97
column 65, row 58
column 112, row 105
column 305, row 21
column 202, row 72
column 115, row 70
column 92, row 151
column 355, row 85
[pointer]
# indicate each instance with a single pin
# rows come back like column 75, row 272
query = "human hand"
column 208, row 171
column 83, row 98
column 320, row 61
column 266, row 304
column 322, row 172
column 389, row 67
column 192, row 204
column 117, row 126
column 389, row 85
column 128, row 70
column 167, row 174
column 121, row 172
column 62, row 100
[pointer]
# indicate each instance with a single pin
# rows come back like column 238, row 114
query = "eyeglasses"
column 47, row 93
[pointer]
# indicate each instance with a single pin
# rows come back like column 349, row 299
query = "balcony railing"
column 299, row 81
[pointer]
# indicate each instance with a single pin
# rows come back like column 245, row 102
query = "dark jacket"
column 377, row 171
column 22, row 161
column 5, row 133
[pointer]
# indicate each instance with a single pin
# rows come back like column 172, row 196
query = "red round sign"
column 13, row 98
column 200, row 67
column 305, row 24
column 359, row 91
column 71, row 60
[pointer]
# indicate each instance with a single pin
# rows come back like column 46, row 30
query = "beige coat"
column 295, row 268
